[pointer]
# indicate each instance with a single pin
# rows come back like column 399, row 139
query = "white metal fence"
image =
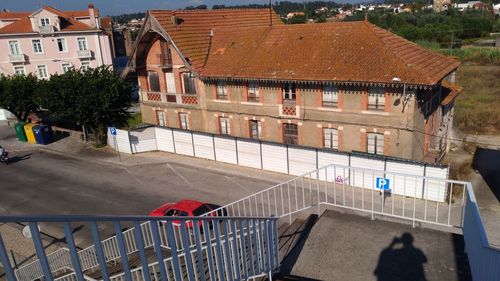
column 283, row 158
column 331, row 186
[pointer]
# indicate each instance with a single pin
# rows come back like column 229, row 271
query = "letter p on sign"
column 383, row 183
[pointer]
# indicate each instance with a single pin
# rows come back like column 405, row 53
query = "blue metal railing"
column 484, row 259
column 222, row 248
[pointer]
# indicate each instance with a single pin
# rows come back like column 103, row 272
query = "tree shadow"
column 487, row 163
column 401, row 261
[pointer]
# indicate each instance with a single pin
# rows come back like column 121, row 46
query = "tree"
column 95, row 99
column 298, row 19
column 18, row 94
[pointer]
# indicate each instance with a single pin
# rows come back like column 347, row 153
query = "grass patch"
column 477, row 108
column 134, row 120
column 473, row 54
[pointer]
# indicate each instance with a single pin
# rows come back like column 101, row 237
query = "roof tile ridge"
column 373, row 28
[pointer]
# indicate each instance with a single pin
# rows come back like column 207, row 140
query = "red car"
column 187, row 208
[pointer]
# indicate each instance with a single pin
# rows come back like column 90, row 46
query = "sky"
column 117, row 7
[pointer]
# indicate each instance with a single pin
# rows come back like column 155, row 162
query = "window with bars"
column 225, row 126
column 289, row 91
column 290, row 133
column 253, row 92
column 330, row 96
column 375, row 143
column 376, row 99
column 255, row 129
column 221, row 90
column 189, row 84
column 160, row 116
column 331, row 138
column 37, row 46
column 183, row 120
column 154, row 81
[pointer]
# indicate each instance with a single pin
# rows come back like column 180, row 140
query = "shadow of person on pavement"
column 401, row 261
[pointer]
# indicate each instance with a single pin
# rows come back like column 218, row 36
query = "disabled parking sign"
column 113, row 131
column 383, row 183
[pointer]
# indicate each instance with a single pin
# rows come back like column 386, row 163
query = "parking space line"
column 235, row 182
column 177, row 173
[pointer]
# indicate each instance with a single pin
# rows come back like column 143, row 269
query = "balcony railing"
column 170, row 98
column 47, row 29
column 84, row 54
column 19, row 58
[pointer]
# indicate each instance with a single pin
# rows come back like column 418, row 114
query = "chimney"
column 93, row 20
column 174, row 20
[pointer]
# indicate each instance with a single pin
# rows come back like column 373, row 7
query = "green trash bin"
column 21, row 135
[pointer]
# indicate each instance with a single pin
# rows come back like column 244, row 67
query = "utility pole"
column 270, row 12
column 451, row 44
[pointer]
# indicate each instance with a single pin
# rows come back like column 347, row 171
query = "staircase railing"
column 378, row 193
column 240, row 248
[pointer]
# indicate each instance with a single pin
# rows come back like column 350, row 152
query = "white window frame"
column 85, row 65
column 375, row 143
column 221, row 90
column 44, row 22
column 46, row 70
column 253, row 92
column 65, row 46
column 39, row 45
column 376, row 99
column 18, row 47
column 184, row 121
column 331, row 138
column 224, row 126
column 66, row 67
column 86, row 46
column 19, row 67
column 259, row 129
column 160, row 115
column 330, row 96
column 290, row 91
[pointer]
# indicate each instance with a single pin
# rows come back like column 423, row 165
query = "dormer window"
column 44, row 22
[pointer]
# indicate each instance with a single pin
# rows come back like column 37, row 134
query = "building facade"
column 50, row 41
column 341, row 86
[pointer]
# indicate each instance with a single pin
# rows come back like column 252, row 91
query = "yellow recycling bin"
column 28, row 129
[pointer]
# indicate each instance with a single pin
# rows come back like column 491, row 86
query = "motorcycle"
column 4, row 158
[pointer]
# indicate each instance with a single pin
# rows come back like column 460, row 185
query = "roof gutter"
column 403, row 85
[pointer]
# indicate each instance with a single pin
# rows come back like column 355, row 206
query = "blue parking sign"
column 113, row 131
column 383, row 183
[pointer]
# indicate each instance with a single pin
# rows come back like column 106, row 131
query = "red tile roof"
column 23, row 24
column 451, row 90
column 13, row 15
column 343, row 51
column 192, row 33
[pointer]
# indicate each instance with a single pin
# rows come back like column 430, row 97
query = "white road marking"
column 177, row 173
column 244, row 188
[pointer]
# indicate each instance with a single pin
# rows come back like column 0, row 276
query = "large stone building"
column 349, row 86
